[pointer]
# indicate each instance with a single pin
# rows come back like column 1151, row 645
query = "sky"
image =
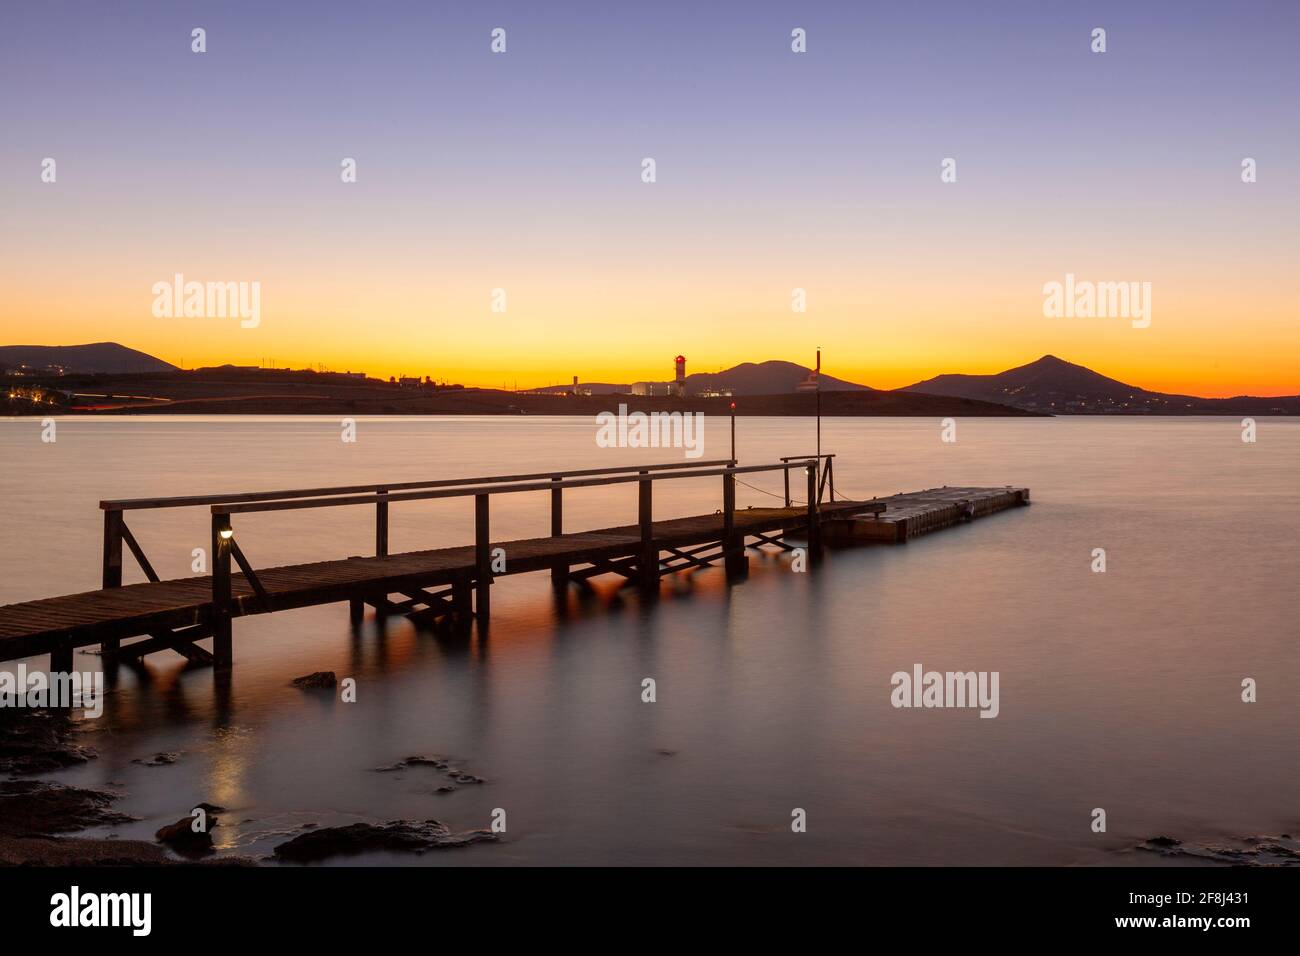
column 775, row 170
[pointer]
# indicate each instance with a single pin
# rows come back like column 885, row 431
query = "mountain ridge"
column 94, row 358
column 1051, row 384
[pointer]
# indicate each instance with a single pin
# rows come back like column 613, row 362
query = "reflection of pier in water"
column 452, row 585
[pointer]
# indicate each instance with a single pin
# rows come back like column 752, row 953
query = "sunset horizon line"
column 530, row 380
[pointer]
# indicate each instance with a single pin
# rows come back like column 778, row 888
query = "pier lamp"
column 227, row 533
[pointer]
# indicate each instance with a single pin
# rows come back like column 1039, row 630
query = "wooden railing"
column 828, row 474
column 225, row 549
column 116, row 532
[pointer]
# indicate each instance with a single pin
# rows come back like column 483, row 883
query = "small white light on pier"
column 227, row 533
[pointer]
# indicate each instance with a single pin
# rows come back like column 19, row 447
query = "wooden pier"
column 452, row 585
column 916, row 513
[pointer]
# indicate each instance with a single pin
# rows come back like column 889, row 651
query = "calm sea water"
column 1118, row 690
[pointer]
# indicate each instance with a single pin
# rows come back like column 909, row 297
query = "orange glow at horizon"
column 552, row 330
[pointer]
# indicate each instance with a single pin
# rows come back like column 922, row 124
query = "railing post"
column 112, row 548
column 381, row 524
column 648, row 562
column 482, row 558
column 830, row 473
column 559, row 572
column 112, row 573
column 222, row 649
column 785, row 473
column 814, row 523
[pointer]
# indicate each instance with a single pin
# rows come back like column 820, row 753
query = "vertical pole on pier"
column 817, row 380
column 381, row 524
column 785, row 473
column 648, row 561
column 732, row 546
column 112, row 573
column 733, row 433
column 482, row 558
column 559, row 572
column 222, row 650
column 814, row 521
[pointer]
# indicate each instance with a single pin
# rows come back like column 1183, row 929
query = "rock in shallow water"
column 38, row 741
column 29, row 807
column 398, row 835
column 319, row 680
column 182, row 837
column 164, row 759
column 1265, row 851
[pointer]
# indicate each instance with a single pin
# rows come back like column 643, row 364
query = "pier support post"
column 648, row 555
column 222, row 645
column 61, row 656
column 462, row 600
column 559, row 572
column 482, row 558
column 356, row 611
column 734, row 560
column 814, row 519
column 381, row 525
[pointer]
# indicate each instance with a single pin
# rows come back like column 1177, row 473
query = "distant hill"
column 1063, row 388
column 767, row 378
column 100, row 357
column 748, row 378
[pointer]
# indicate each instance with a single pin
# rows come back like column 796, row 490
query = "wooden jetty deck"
column 916, row 513
column 452, row 584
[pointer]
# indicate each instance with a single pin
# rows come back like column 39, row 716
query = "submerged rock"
column 438, row 763
column 38, row 807
column 163, row 759
column 443, row 764
column 397, row 835
column 318, row 680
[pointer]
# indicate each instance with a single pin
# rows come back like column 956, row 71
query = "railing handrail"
column 228, row 508
column 804, row 457
column 186, row 501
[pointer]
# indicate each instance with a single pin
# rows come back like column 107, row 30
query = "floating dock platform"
column 915, row 513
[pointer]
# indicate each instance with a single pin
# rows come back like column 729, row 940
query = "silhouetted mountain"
column 1053, row 385
column 767, row 378
column 100, row 357
column 748, row 378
